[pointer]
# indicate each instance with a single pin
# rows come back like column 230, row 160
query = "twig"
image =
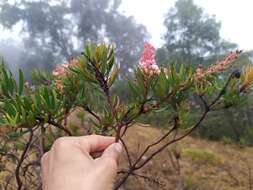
column 155, row 153
column 86, row 108
column 158, row 141
column 171, row 142
column 59, row 126
column 123, row 180
column 142, row 110
column 25, row 151
column 127, row 152
column 156, row 181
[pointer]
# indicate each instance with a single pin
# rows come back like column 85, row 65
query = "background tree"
column 192, row 35
column 54, row 31
column 12, row 52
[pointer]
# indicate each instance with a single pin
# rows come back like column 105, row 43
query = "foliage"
column 54, row 31
column 35, row 115
column 231, row 125
column 192, row 36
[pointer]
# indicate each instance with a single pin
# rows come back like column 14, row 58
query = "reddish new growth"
column 217, row 67
column 61, row 71
column 147, row 62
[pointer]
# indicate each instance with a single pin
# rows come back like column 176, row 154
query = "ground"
column 204, row 165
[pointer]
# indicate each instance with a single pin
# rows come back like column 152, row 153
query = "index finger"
column 94, row 143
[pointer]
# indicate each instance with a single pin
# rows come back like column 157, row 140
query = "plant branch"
column 203, row 116
column 86, row 108
column 59, row 126
column 208, row 108
column 23, row 155
column 158, row 141
column 127, row 152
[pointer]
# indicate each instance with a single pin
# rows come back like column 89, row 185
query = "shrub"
column 36, row 115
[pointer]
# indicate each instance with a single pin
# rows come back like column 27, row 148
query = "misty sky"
column 236, row 17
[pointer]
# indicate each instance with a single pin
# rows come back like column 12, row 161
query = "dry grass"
column 205, row 165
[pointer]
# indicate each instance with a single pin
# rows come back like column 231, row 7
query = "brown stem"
column 142, row 110
column 30, row 164
column 86, row 108
column 103, row 84
column 42, row 139
column 223, row 90
column 127, row 152
column 59, row 126
column 123, row 180
column 142, row 176
column 99, row 76
column 153, row 180
column 25, row 151
column 207, row 109
column 118, row 132
column 158, row 141
column 171, row 142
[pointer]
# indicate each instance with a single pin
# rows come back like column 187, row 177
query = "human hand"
column 70, row 166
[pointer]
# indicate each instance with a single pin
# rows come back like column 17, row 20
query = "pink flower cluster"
column 61, row 71
column 217, row 67
column 147, row 62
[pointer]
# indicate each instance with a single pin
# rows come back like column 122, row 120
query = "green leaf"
column 21, row 82
column 10, row 108
column 46, row 96
column 113, row 75
column 134, row 89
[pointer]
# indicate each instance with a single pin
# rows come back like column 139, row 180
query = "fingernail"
column 118, row 147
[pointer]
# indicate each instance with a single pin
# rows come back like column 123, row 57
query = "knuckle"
column 95, row 136
column 44, row 158
column 60, row 143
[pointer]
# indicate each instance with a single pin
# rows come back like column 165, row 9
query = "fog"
column 40, row 34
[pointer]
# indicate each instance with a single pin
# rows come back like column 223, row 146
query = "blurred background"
column 43, row 33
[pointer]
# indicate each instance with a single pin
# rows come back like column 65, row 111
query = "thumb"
column 110, row 157
column 112, row 152
column 107, row 165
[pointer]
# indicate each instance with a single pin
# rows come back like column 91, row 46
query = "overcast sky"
column 236, row 17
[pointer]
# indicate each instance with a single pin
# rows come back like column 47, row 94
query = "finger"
column 107, row 163
column 88, row 144
column 44, row 168
column 112, row 152
column 44, row 162
column 95, row 143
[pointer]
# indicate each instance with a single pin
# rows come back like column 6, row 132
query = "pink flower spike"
column 147, row 62
column 148, row 55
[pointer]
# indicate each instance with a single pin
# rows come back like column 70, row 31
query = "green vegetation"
column 193, row 85
column 200, row 155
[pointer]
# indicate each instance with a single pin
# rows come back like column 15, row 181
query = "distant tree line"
column 54, row 31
